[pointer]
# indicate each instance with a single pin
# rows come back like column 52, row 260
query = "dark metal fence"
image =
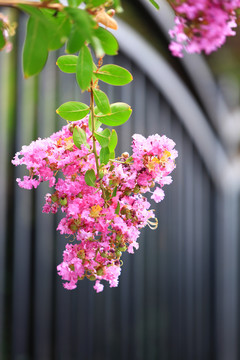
column 177, row 295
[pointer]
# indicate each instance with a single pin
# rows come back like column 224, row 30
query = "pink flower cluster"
column 105, row 220
column 202, row 25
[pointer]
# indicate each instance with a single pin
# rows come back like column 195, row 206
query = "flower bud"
column 73, row 227
column 81, row 254
column 136, row 189
column 127, row 191
column 100, row 271
column 125, row 155
column 118, row 254
column 123, row 248
column 54, row 198
column 111, row 12
column 63, row 201
column 71, row 128
column 92, row 277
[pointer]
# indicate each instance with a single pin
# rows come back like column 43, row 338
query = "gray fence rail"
column 177, row 295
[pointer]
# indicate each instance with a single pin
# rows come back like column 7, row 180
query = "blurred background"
column 178, row 295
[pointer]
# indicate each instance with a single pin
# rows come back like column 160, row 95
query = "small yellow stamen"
column 152, row 163
column 95, row 210
column 69, row 143
column 164, row 158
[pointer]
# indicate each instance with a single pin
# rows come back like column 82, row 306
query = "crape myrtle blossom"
column 104, row 220
column 202, row 25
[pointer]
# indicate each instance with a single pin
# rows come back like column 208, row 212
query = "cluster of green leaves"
column 49, row 29
column 88, row 76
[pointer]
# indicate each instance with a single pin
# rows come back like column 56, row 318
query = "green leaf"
column 33, row 11
column 107, row 40
column 83, row 21
column 97, row 47
column 103, row 137
column 112, row 155
column 101, row 101
column 104, row 155
column 73, row 110
column 114, row 75
column 2, row 40
column 84, row 69
column 90, row 178
column 120, row 113
column 114, row 193
column 74, row 3
column 94, row 3
column 79, row 137
column 35, row 50
column 155, row 4
column 56, row 25
column 67, row 63
column 117, row 208
column 113, row 141
column 61, row 32
column 75, row 40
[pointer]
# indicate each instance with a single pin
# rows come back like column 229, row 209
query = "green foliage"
column 90, row 178
column 35, row 52
column 104, row 155
column 103, row 137
column 74, row 3
column 120, row 113
column 84, row 68
column 79, row 137
column 155, row 4
column 82, row 29
column 97, row 47
column 60, row 34
column 108, row 42
column 117, row 208
column 67, row 63
column 75, row 40
column 47, row 30
column 94, row 3
column 102, row 101
column 113, row 141
column 114, row 75
column 114, row 193
column 73, row 110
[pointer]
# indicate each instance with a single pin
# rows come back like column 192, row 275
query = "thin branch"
column 44, row 4
column 93, row 128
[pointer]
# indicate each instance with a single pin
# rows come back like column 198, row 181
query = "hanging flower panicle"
column 104, row 217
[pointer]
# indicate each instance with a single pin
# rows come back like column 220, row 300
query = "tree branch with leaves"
column 102, row 196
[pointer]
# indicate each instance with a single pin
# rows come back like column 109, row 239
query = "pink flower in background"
column 202, row 25
column 105, row 220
